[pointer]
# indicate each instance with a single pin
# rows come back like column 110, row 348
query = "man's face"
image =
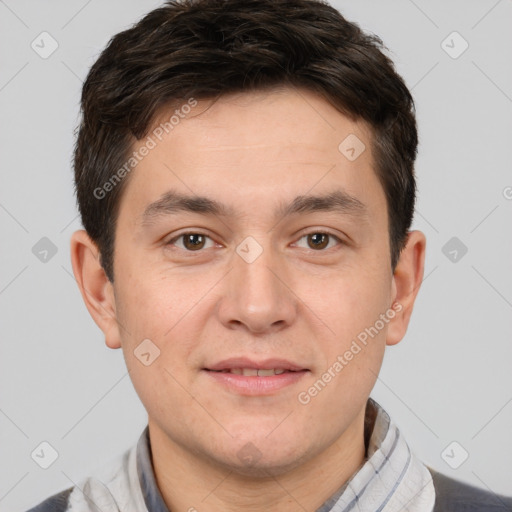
column 267, row 278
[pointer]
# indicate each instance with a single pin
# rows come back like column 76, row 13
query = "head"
column 244, row 173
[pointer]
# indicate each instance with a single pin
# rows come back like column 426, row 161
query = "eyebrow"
column 337, row 201
column 173, row 202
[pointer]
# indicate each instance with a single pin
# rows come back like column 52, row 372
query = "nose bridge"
column 257, row 297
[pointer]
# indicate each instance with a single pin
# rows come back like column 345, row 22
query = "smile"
column 248, row 377
column 254, row 372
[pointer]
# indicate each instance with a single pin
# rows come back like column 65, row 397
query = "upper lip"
column 245, row 362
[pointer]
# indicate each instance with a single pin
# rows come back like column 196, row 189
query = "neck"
column 191, row 482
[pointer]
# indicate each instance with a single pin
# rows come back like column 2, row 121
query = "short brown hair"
column 206, row 48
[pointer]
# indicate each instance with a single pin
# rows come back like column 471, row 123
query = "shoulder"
column 56, row 503
column 114, row 485
column 455, row 496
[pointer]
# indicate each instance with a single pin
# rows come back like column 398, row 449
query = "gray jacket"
column 451, row 496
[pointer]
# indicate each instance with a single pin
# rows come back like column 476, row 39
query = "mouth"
column 254, row 372
column 245, row 376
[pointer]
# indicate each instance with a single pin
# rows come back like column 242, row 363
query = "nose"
column 256, row 296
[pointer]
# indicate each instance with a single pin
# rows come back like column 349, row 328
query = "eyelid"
column 324, row 231
column 176, row 237
column 320, row 231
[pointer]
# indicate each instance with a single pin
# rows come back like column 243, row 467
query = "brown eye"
column 318, row 240
column 193, row 241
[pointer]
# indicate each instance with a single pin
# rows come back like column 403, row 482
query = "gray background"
column 449, row 380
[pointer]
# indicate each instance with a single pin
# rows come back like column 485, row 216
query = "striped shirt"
column 391, row 479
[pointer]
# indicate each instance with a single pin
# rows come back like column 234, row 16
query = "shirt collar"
column 150, row 491
column 389, row 477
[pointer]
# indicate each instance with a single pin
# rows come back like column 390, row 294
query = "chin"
column 264, row 462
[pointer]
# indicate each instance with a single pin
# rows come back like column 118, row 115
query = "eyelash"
column 181, row 235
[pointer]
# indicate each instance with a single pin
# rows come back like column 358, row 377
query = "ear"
column 407, row 280
column 95, row 287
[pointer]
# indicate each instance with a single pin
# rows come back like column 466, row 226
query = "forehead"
column 262, row 144
column 284, row 120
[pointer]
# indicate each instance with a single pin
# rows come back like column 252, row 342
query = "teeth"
column 253, row 372
column 266, row 373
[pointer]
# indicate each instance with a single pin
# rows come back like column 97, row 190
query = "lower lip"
column 256, row 386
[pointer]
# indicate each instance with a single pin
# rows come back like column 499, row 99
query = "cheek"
column 155, row 305
column 352, row 307
column 354, row 351
column 353, row 301
column 158, row 340
column 164, row 318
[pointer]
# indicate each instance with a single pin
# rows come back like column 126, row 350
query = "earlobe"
column 407, row 280
column 96, row 289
